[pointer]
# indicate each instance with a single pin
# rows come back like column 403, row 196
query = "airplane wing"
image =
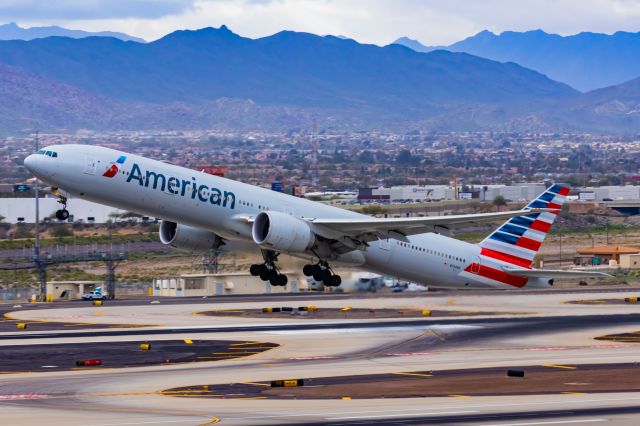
column 371, row 228
column 556, row 273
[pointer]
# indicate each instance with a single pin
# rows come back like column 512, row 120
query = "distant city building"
column 613, row 193
column 517, row 192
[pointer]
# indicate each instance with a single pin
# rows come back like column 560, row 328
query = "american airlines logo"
column 113, row 170
column 182, row 187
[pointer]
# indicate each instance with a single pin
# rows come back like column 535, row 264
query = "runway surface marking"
column 566, row 367
column 565, row 322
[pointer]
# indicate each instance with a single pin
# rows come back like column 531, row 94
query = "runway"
column 541, row 334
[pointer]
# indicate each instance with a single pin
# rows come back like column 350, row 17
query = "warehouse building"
column 516, row 192
column 604, row 255
column 611, row 193
column 22, row 210
column 223, row 284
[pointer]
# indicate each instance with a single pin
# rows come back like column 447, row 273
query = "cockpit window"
column 47, row 153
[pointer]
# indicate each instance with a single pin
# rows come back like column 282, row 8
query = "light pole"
column 42, row 273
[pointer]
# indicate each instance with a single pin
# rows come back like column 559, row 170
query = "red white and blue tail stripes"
column 518, row 240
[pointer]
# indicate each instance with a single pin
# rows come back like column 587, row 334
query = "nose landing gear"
column 322, row 272
column 61, row 214
column 268, row 271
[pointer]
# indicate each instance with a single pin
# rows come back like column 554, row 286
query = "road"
column 539, row 332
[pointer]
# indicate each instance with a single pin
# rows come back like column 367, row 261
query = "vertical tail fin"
column 518, row 240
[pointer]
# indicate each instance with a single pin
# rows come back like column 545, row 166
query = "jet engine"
column 282, row 232
column 188, row 238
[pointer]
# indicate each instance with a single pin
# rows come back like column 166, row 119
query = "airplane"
column 201, row 212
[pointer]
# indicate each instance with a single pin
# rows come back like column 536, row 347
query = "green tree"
column 404, row 157
column 499, row 201
column 373, row 210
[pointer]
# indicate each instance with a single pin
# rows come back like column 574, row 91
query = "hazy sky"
column 370, row 21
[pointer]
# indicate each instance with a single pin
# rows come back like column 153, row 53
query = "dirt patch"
column 629, row 337
column 342, row 313
column 65, row 356
column 475, row 382
column 621, row 301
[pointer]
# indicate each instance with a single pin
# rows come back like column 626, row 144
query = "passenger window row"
column 429, row 251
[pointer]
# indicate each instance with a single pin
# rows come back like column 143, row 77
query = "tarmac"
column 355, row 369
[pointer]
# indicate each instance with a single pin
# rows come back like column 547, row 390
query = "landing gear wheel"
column 255, row 270
column 268, row 271
column 264, row 273
column 282, row 280
column 309, row 270
column 332, row 281
column 62, row 214
column 325, row 275
column 273, row 274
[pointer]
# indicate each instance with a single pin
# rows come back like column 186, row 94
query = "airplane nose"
column 30, row 163
column 39, row 166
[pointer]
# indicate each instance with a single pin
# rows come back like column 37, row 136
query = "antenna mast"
column 314, row 158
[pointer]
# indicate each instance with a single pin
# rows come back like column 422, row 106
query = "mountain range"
column 585, row 61
column 214, row 78
column 12, row 31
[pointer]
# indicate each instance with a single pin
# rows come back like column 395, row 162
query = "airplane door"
column 475, row 266
column 385, row 249
column 89, row 165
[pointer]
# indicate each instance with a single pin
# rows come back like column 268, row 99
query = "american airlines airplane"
column 201, row 212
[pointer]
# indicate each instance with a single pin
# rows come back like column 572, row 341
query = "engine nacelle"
column 282, row 232
column 188, row 238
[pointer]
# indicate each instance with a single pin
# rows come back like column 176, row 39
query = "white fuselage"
column 213, row 203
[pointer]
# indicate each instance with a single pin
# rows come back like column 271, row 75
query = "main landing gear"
column 322, row 272
column 268, row 271
column 61, row 214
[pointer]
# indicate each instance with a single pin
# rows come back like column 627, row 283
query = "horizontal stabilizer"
column 555, row 273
